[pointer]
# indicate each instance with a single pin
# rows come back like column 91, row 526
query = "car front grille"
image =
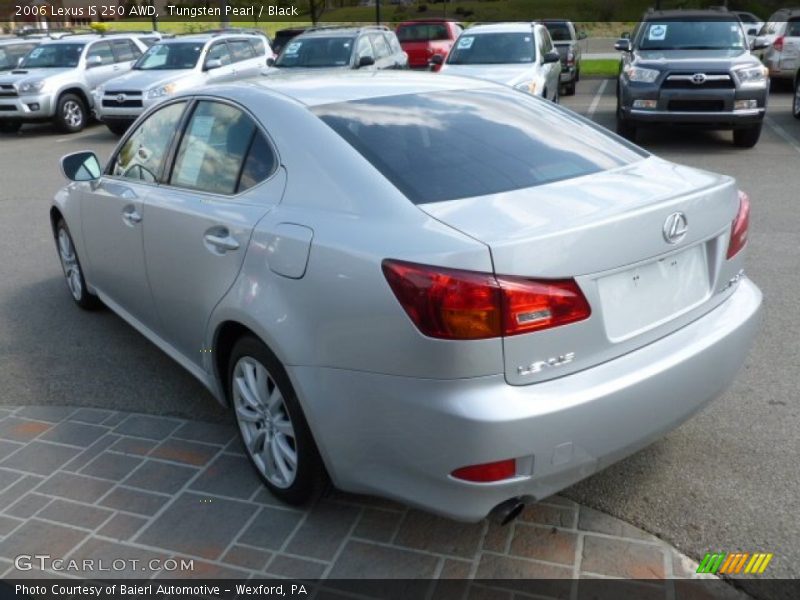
column 7, row 90
column 130, row 99
column 686, row 80
column 696, row 105
column 7, row 108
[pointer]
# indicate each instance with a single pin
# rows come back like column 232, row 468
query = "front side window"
column 165, row 57
column 692, row 35
column 450, row 145
column 101, row 50
column 316, row 53
column 493, row 49
column 55, row 56
column 11, row 53
column 142, row 156
column 220, row 52
column 213, row 149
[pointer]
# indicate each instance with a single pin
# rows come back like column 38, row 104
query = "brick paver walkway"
column 88, row 483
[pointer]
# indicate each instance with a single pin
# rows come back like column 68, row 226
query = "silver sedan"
column 435, row 289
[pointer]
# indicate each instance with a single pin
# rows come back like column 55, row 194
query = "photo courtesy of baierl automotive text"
column 399, row 299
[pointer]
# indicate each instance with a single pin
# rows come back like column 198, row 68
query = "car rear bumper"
column 402, row 437
column 27, row 108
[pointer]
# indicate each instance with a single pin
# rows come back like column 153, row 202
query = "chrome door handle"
column 131, row 216
column 224, row 244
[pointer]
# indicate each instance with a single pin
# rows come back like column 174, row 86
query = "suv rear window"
column 449, row 145
column 423, row 32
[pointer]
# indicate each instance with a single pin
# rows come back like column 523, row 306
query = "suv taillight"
column 466, row 305
column 740, row 226
column 778, row 43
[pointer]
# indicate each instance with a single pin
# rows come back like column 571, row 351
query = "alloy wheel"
column 69, row 262
column 73, row 113
column 267, row 429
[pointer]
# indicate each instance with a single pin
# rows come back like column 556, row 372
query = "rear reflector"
column 740, row 226
column 467, row 305
column 496, row 471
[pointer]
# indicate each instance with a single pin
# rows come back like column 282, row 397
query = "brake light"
column 496, row 471
column 466, row 305
column 778, row 43
column 740, row 226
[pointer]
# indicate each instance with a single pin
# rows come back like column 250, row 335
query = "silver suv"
column 781, row 36
column 175, row 65
column 12, row 51
column 55, row 80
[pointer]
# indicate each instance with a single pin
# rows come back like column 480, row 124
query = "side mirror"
column 623, row 45
column 213, row 63
column 93, row 61
column 365, row 61
column 752, row 31
column 437, row 60
column 271, row 61
column 551, row 57
column 81, row 166
column 759, row 44
column 582, row 35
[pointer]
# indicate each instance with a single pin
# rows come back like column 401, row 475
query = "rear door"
column 790, row 58
column 224, row 178
column 244, row 59
column 221, row 52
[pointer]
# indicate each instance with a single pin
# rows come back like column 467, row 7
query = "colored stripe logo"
column 735, row 563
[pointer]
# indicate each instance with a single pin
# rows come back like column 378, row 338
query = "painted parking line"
column 782, row 133
column 597, row 97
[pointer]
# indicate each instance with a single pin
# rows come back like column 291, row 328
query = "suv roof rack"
column 356, row 27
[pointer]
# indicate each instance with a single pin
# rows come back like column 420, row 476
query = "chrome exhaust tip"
column 507, row 511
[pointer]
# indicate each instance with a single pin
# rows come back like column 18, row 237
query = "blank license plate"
column 645, row 296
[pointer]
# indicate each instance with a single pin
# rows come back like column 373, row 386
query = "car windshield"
column 316, row 52
column 461, row 144
column 422, row 32
column 559, row 32
column 53, row 56
column 164, row 57
column 692, row 35
column 493, row 49
column 10, row 54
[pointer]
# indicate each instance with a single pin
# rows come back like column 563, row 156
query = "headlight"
column 162, row 91
column 34, row 87
column 527, row 86
column 641, row 75
column 755, row 76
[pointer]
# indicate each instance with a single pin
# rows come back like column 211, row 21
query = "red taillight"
column 496, row 471
column 778, row 43
column 466, row 305
column 740, row 226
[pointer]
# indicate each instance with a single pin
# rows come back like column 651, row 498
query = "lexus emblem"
column 699, row 78
column 675, row 228
column 120, row 98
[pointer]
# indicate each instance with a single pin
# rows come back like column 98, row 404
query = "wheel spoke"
column 284, row 426
column 286, row 452
column 246, row 394
column 275, row 400
column 257, row 443
column 249, row 416
column 252, row 385
column 270, row 468
column 280, row 461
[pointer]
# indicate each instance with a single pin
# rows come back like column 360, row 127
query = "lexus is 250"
column 436, row 289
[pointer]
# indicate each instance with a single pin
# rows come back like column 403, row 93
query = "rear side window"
column 449, row 145
column 241, row 50
column 259, row 47
column 381, row 47
column 125, row 50
column 793, row 28
column 211, row 156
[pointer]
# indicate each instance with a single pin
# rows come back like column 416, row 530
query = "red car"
column 424, row 38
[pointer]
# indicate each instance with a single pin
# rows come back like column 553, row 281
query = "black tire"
column 76, row 283
column 569, row 89
column 624, row 127
column 747, row 137
column 310, row 477
column 71, row 115
column 796, row 100
column 118, row 128
column 10, row 126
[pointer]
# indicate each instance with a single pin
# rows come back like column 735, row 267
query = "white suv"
column 175, row 65
column 55, row 80
column 782, row 36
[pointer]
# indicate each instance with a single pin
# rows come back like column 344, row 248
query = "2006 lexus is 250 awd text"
column 435, row 289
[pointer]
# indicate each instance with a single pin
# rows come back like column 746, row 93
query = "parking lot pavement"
column 727, row 480
column 84, row 483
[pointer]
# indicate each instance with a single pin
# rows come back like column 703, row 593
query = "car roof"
column 91, row 37
column 11, row 41
column 509, row 27
column 690, row 15
column 340, row 31
column 423, row 21
column 318, row 89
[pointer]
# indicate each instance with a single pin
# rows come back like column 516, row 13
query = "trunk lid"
column 606, row 231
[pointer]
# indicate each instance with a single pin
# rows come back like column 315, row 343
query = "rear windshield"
column 559, row 32
column 422, row 32
column 449, row 145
